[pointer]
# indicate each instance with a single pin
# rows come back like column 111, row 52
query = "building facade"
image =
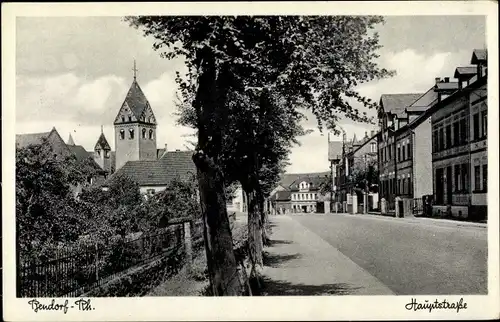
column 459, row 136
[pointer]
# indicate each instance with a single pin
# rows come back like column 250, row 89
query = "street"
column 415, row 256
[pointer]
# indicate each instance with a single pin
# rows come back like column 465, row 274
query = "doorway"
column 439, row 186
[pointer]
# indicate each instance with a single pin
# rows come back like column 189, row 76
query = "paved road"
column 409, row 256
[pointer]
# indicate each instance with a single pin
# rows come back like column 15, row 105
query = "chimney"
column 372, row 133
column 166, row 147
column 438, row 79
column 366, row 134
column 446, row 79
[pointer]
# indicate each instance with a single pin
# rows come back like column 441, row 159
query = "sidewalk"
column 299, row 262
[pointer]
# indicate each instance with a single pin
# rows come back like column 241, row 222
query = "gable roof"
column 79, row 152
column 23, row 140
column 136, row 100
column 397, row 103
column 334, row 150
column 314, row 180
column 102, row 143
column 159, row 172
column 465, row 72
column 282, row 195
column 288, row 179
column 479, row 55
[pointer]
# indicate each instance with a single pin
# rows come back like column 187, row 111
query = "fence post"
column 188, row 244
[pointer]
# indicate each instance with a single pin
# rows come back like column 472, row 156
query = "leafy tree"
column 312, row 62
column 46, row 212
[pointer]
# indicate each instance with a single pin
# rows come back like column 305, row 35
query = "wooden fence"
column 72, row 273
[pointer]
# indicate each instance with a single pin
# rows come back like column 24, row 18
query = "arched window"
column 131, row 133
column 150, row 119
column 143, row 133
column 98, row 151
column 106, row 153
column 130, row 118
column 122, row 134
column 150, row 134
column 123, row 118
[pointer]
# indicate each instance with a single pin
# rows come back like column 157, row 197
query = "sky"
column 73, row 74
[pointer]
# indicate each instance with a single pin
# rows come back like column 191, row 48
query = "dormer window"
column 122, row 134
column 150, row 134
column 131, row 134
column 143, row 133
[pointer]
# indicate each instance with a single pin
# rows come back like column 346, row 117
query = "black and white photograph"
column 173, row 157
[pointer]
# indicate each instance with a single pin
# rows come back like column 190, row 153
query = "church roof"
column 159, row 172
column 102, row 143
column 23, row 140
column 136, row 100
column 79, row 152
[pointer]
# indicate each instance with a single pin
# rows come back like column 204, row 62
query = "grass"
column 193, row 281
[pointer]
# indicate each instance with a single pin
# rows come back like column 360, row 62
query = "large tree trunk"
column 221, row 262
column 254, row 229
column 210, row 97
column 264, row 221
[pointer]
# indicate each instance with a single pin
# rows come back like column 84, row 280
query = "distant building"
column 63, row 150
column 298, row 192
column 358, row 156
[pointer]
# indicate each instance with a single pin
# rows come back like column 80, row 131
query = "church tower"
column 102, row 153
column 135, row 128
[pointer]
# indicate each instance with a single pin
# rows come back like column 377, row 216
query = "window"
column 373, row 147
column 465, row 176
column 434, row 141
column 403, row 188
column 123, row 118
column 106, row 153
column 390, row 151
column 477, row 178
column 130, row 118
column 98, row 152
column 403, row 150
column 448, row 136
column 399, row 153
column 143, row 133
column 131, row 134
column 408, row 146
column 409, row 186
column 441, row 139
column 457, row 178
column 464, row 132
column 456, row 135
column 485, row 177
column 150, row 134
column 476, row 126
column 151, row 191
column 484, row 123
column 122, row 134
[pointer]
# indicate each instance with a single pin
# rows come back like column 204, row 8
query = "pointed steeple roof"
column 136, row 100
column 70, row 140
column 102, row 143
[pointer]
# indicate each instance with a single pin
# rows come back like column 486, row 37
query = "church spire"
column 70, row 140
column 102, row 131
column 135, row 71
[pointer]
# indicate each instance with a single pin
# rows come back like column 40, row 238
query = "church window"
column 151, row 119
column 106, row 153
column 122, row 134
column 130, row 118
column 150, row 134
column 98, row 152
column 131, row 133
column 143, row 133
column 123, row 118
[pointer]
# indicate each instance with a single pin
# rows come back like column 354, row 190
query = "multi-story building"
column 359, row 157
column 459, row 145
column 299, row 193
column 392, row 117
